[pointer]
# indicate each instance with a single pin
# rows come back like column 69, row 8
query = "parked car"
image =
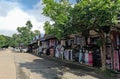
column 17, row 49
column 24, row 50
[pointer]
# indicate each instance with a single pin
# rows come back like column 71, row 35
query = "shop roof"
column 47, row 37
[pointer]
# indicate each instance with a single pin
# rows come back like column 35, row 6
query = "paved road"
column 26, row 66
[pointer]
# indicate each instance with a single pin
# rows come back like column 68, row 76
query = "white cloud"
column 12, row 16
column 6, row 6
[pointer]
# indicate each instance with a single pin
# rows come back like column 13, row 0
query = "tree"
column 8, row 41
column 25, row 33
column 59, row 12
column 29, row 25
column 49, row 29
column 36, row 33
column 2, row 40
column 5, row 40
column 96, row 15
column 15, row 40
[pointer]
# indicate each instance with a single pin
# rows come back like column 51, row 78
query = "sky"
column 15, row 13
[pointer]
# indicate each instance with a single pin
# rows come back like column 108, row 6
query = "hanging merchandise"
column 38, row 43
column 90, row 58
column 116, row 60
column 57, row 53
column 86, row 57
column 70, row 53
column 66, row 54
column 119, row 58
column 83, row 56
column 80, row 56
column 63, row 42
column 61, row 52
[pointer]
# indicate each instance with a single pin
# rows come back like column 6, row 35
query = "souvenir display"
column 80, row 56
column 86, row 57
column 90, row 61
column 68, row 55
column 119, row 58
column 115, row 36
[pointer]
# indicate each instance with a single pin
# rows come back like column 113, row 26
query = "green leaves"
column 5, row 40
column 2, row 40
column 85, row 15
column 59, row 12
column 29, row 25
column 25, row 34
column 95, row 13
column 61, row 19
column 48, row 28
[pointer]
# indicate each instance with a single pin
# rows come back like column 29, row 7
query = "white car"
column 24, row 49
column 17, row 49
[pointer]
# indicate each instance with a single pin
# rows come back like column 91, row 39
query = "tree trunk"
column 103, row 50
column 103, row 57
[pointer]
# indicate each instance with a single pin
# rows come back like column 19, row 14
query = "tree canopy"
column 95, row 14
column 59, row 12
column 4, row 40
column 25, row 34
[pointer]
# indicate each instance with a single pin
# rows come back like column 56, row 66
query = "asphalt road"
column 15, row 65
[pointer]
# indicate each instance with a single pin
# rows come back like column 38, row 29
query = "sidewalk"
column 7, row 66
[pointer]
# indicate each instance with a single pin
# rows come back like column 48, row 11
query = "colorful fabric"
column 90, row 56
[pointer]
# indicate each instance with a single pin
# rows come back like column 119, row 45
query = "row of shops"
column 77, row 48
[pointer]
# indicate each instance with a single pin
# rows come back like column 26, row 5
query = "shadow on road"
column 47, row 69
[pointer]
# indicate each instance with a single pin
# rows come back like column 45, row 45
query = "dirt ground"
column 15, row 65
